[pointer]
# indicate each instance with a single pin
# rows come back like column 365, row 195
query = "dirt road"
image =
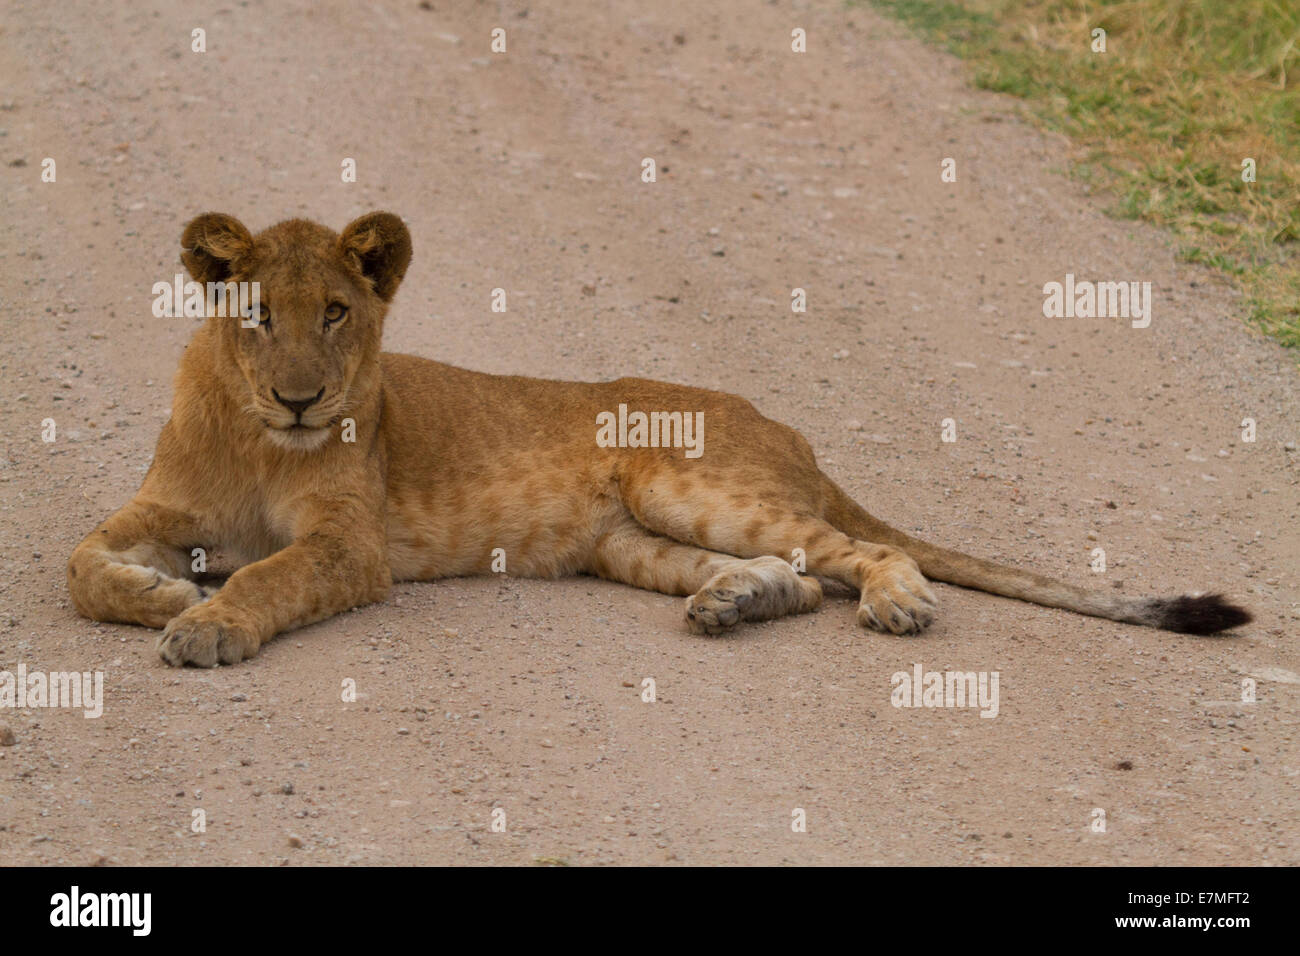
column 521, row 171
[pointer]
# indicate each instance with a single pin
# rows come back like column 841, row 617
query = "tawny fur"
column 450, row 465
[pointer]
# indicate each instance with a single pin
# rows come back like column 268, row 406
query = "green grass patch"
column 1184, row 93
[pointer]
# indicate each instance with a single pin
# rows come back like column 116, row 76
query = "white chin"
column 298, row 439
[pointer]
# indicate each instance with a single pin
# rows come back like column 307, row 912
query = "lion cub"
column 329, row 469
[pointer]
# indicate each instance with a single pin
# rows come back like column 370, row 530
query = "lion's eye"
column 262, row 317
column 335, row 313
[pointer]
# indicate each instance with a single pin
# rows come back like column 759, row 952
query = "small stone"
column 295, row 841
column 7, row 738
column 287, row 788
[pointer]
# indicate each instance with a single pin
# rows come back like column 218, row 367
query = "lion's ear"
column 379, row 246
column 211, row 243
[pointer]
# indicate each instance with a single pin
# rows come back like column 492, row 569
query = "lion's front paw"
column 204, row 636
column 897, row 598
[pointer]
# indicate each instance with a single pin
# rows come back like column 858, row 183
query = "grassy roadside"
column 1185, row 91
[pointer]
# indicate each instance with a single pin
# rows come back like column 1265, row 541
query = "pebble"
column 7, row 738
column 295, row 841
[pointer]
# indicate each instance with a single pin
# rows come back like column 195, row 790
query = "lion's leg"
column 895, row 595
column 724, row 589
column 134, row 567
column 337, row 560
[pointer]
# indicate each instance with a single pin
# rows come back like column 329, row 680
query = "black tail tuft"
column 1204, row 614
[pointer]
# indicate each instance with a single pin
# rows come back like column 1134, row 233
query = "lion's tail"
column 1187, row 614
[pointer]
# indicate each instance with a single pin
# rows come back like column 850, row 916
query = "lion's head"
column 322, row 301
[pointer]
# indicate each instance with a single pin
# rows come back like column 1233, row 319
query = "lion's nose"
column 298, row 405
